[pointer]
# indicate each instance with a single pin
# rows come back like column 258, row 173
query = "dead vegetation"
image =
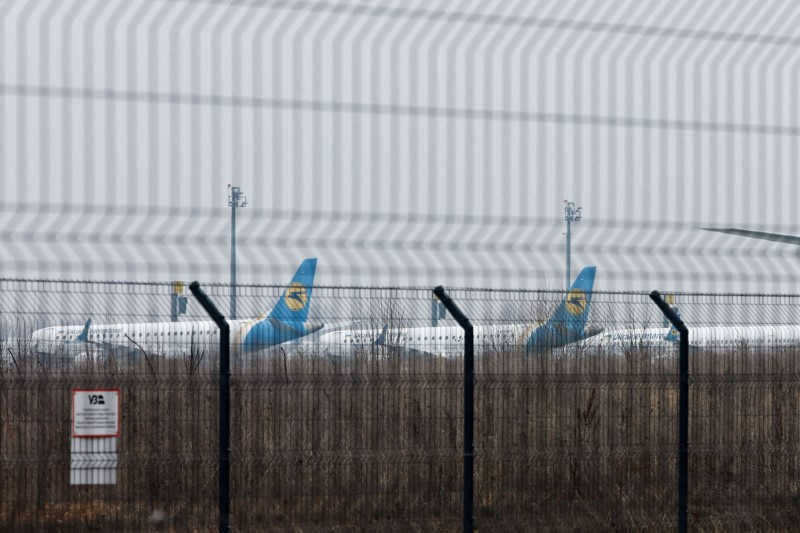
column 373, row 440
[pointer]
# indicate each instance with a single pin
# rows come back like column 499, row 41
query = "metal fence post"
column 683, row 408
column 469, row 403
column 224, row 405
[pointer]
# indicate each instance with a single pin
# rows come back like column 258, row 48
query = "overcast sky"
column 413, row 143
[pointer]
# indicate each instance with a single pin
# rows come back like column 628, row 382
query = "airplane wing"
column 128, row 349
column 300, row 329
column 408, row 351
column 762, row 235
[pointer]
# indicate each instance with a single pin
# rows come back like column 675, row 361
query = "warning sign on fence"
column 95, row 413
column 95, row 428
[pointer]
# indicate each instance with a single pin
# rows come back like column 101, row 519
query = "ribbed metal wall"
column 401, row 142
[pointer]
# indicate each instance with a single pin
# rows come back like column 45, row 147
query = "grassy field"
column 373, row 441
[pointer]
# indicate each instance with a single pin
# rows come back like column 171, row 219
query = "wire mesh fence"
column 360, row 422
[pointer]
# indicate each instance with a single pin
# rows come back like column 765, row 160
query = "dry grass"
column 564, row 441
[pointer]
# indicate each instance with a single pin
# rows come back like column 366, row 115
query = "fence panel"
column 167, row 449
column 360, row 423
column 744, row 434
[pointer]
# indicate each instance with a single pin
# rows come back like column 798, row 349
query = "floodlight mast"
column 236, row 199
column 571, row 214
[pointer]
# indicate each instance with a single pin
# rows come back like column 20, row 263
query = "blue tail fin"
column 296, row 299
column 84, row 335
column 381, row 340
column 573, row 311
column 569, row 319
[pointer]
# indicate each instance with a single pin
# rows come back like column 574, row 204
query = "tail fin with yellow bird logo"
column 287, row 320
column 568, row 322
column 296, row 298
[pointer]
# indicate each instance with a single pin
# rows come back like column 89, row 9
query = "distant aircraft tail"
column 296, row 298
column 381, row 340
column 84, row 335
column 568, row 323
column 673, row 335
column 287, row 320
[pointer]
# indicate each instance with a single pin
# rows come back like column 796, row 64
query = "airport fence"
column 360, row 424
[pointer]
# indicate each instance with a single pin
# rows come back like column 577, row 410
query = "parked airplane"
column 566, row 325
column 710, row 336
column 286, row 321
column 699, row 337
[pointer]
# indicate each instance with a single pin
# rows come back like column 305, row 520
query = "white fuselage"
column 161, row 338
column 704, row 336
column 440, row 341
column 723, row 336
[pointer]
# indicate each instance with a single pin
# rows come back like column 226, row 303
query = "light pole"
column 571, row 214
column 236, row 198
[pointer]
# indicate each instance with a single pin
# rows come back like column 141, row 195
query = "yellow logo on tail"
column 576, row 302
column 296, row 296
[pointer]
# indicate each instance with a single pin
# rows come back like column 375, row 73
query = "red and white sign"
column 95, row 412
